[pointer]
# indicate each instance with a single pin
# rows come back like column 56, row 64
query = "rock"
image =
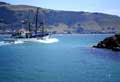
column 116, row 48
column 112, row 43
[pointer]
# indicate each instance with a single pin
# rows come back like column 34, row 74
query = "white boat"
column 28, row 35
column 24, row 35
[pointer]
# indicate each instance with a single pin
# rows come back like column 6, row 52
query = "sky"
column 104, row 6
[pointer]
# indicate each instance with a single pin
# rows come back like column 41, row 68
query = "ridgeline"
column 57, row 21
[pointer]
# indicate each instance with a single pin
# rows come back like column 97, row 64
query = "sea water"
column 72, row 59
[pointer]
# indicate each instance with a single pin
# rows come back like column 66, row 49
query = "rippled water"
column 72, row 59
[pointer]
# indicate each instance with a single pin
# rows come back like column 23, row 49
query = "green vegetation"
column 57, row 21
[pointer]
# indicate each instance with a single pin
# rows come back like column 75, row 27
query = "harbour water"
column 72, row 59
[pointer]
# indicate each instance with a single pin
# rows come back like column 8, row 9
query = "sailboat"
column 29, row 35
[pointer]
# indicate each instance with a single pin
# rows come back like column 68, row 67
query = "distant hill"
column 57, row 21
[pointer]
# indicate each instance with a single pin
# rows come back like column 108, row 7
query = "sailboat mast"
column 42, row 25
column 36, row 22
column 29, row 20
column 29, row 26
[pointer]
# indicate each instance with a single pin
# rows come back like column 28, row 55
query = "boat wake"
column 21, row 41
column 47, row 41
column 2, row 43
column 18, row 42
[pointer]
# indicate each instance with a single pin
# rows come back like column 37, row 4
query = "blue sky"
column 105, row 6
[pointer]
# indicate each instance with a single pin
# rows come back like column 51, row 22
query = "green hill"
column 57, row 21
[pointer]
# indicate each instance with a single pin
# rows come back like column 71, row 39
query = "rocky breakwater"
column 112, row 43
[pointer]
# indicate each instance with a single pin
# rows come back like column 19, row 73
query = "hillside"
column 57, row 21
